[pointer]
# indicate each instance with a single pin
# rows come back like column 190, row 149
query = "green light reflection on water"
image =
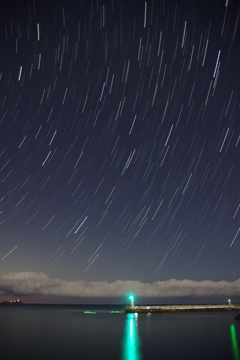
column 234, row 342
column 131, row 344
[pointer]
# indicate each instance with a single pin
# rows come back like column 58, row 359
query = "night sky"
column 120, row 139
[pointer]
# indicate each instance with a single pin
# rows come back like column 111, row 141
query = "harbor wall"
column 181, row 308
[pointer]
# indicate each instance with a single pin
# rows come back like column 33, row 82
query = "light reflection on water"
column 235, row 349
column 131, row 343
column 53, row 333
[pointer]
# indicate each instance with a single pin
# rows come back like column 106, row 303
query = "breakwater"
column 181, row 308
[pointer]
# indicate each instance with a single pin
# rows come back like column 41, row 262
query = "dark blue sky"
column 119, row 139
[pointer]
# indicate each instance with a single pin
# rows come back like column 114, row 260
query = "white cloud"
column 32, row 283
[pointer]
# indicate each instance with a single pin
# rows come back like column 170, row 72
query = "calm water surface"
column 66, row 332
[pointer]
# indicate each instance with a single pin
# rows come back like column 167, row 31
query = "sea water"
column 95, row 332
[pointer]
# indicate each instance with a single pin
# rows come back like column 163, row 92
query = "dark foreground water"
column 66, row 332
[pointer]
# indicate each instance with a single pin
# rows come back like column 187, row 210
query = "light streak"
column 9, row 252
column 53, row 137
column 110, row 194
column 139, row 48
column 39, row 61
column 157, row 209
column 103, row 15
column 42, row 96
column 208, row 93
column 159, row 43
column 32, row 217
column 224, row 140
column 235, row 237
column 91, row 263
column 129, row 162
column 81, row 224
column 38, row 32
column 237, row 141
column 184, row 32
column 95, row 252
column 236, row 211
column 111, row 84
column 65, row 96
column 84, row 104
column 78, row 159
column 103, row 216
column 200, row 252
column 216, row 78
column 20, row 73
column 168, row 136
column 118, row 110
column 48, row 222
column 191, row 94
column 229, row 103
column 58, row 258
column 102, row 92
column 46, row 182
column 155, row 92
column 77, row 245
column 187, row 184
column 55, row 252
column 22, row 141
column 132, row 124
column 205, row 52
column 49, row 116
column 63, row 14
column 145, row 14
column 126, row 76
column 214, row 74
column 164, row 156
column 190, row 63
column 46, row 158
column 99, row 185
column 5, row 164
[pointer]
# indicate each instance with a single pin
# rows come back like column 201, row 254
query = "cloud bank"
column 32, row 283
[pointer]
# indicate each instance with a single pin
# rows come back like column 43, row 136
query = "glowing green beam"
column 89, row 312
column 235, row 350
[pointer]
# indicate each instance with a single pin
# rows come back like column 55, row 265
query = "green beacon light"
column 229, row 302
column 132, row 301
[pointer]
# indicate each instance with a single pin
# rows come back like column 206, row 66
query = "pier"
column 179, row 308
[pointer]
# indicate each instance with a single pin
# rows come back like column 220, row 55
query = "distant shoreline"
column 11, row 303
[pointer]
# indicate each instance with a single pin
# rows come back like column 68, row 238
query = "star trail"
column 119, row 139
